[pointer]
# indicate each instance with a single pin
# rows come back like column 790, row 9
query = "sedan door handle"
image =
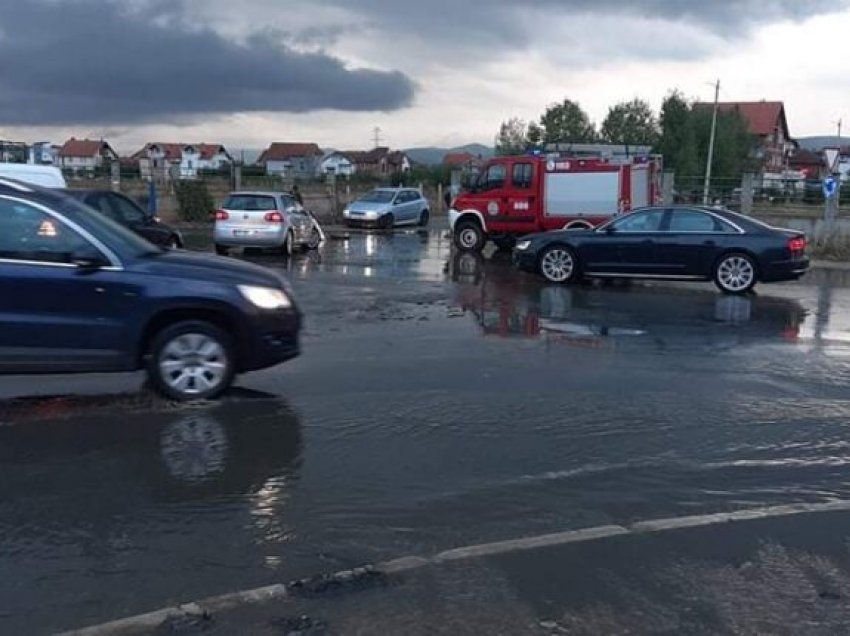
column 647, row 241
column 709, row 243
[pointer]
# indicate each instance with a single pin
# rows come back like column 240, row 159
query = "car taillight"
column 797, row 244
column 221, row 215
column 274, row 217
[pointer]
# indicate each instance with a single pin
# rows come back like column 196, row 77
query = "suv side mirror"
column 610, row 230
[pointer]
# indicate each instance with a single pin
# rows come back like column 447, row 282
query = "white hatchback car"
column 267, row 220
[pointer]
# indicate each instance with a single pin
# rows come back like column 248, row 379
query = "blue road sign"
column 830, row 187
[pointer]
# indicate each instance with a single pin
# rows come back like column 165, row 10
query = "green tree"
column 733, row 144
column 678, row 141
column 512, row 138
column 632, row 123
column 568, row 123
column 534, row 134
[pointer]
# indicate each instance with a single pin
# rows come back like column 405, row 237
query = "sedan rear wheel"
column 735, row 274
column 558, row 264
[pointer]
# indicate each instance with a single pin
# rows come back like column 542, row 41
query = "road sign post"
column 830, row 194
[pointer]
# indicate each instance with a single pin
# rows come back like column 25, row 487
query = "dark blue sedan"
column 675, row 242
column 80, row 293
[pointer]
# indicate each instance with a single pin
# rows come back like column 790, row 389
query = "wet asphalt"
column 441, row 400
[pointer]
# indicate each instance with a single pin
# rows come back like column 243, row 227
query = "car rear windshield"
column 378, row 196
column 249, row 202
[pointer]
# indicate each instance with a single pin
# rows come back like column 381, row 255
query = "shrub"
column 194, row 201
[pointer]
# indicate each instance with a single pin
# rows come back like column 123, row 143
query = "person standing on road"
column 296, row 194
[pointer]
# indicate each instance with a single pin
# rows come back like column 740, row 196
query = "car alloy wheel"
column 174, row 243
column 558, row 264
column 735, row 274
column 191, row 360
column 423, row 218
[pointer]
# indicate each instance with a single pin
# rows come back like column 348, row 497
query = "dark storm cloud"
column 104, row 61
column 500, row 23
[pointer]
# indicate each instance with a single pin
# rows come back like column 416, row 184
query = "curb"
column 370, row 576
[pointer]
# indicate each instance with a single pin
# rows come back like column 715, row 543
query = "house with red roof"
column 181, row 159
column 767, row 122
column 380, row 161
column 463, row 160
column 86, row 154
column 291, row 159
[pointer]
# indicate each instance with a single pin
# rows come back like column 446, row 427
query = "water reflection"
column 507, row 303
column 117, row 505
column 233, row 446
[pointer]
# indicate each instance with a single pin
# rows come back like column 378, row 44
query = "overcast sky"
column 435, row 72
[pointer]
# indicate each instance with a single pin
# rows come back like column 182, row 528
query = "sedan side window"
column 693, row 221
column 127, row 210
column 28, row 234
column 648, row 221
column 101, row 203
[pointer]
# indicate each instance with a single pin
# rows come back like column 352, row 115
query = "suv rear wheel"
column 191, row 360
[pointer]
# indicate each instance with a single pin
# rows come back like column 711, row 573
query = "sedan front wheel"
column 558, row 264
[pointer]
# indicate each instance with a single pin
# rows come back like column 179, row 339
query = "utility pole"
column 708, row 163
column 839, row 130
column 376, row 132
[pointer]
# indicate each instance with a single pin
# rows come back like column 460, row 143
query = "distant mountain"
column 819, row 143
column 434, row 156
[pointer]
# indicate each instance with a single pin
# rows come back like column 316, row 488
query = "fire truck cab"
column 513, row 196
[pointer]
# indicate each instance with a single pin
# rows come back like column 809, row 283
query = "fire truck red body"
column 526, row 194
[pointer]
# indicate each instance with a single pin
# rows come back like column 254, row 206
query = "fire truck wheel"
column 558, row 264
column 470, row 236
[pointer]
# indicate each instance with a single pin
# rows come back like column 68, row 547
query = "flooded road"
column 441, row 400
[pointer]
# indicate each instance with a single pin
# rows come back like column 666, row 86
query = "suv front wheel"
column 191, row 360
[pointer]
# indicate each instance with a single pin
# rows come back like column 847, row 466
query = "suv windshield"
column 250, row 202
column 378, row 196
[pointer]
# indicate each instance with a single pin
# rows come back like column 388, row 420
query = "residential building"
column 13, row 152
column 336, row 163
column 180, row 159
column 299, row 160
column 766, row 121
column 380, row 161
column 807, row 162
column 86, row 154
column 43, row 153
column 463, row 161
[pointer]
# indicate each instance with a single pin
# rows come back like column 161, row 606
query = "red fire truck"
column 520, row 195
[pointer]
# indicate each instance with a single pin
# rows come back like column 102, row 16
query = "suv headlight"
column 265, row 297
column 523, row 245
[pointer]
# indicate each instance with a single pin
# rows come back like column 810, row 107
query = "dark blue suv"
column 80, row 293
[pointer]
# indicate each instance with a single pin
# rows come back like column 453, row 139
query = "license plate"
column 244, row 232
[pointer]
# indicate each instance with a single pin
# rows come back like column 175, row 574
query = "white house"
column 291, row 159
column 181, row 160
column 85, row 154
column 196, row 157
column 336, row 163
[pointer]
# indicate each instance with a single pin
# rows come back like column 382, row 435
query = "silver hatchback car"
column 267, row 220
column 388, row 207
